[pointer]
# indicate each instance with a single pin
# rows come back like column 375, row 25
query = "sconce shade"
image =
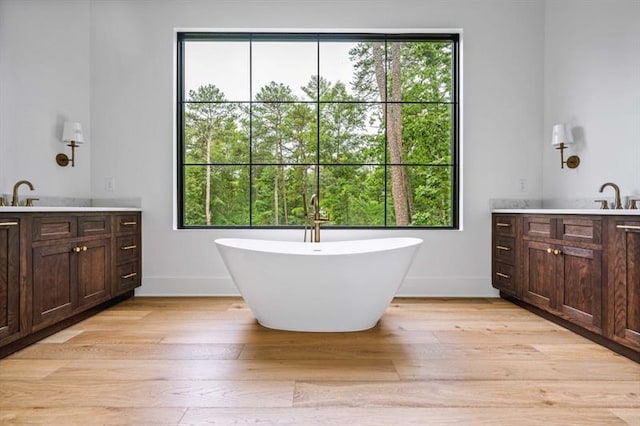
column 72, row 132
column 561, row 134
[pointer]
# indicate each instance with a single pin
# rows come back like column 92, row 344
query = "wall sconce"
column 72, row 133
column 559, row 137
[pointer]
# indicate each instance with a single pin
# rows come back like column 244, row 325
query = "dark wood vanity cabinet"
column 70, row 264
column 583, row 271
column 10, row 286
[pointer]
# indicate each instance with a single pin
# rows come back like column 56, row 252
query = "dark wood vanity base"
column 581, row 271
column 59, row 267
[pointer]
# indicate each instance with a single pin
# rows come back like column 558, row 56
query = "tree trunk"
column 275, row 199
column 207, row 199
column 394, row 128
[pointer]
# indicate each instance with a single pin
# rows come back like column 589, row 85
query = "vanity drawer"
column 54, row 227
column 127, row 277
column 538, row 226
column 94, row 225
column 127, row 223
column 504, row 276
column 580, row 229
column 127, row 248
column 504, row 249
column 504, row 225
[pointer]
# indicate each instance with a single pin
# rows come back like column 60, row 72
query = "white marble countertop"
column 42, row 209
column 599, row 212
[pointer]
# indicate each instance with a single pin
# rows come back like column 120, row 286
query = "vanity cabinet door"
column 93, row 272
column 580, row 286
column 9, row 278
column 626, row 283
column 54, row 275
column 539, row 275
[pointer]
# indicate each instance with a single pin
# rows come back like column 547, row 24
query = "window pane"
column 352, row 195
column 350, row 65
column 425, row 71
column 425, row 135
column 277, row 194
column 290, row 66
column 284, row 133
column 216, row 133
column 351, row 133
column 226, row 195
column 223, row 65
column 426, row 194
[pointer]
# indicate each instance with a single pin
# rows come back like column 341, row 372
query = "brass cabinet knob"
column 75, row 249
column 557, row 252
column 549, row 250
column 84, row 248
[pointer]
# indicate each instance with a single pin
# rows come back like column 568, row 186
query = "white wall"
column 131, row 65
column 44, row 80
column 592, row 81
column 132, row 57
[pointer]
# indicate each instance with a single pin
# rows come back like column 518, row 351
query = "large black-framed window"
column 367, row 122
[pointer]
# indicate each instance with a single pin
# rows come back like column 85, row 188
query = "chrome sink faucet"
column 14, row 199
column 616, row 188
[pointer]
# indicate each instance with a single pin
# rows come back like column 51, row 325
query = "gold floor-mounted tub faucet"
column 317, row 218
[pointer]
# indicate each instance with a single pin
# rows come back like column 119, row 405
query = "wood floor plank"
column 131, row 351
column 266, row 336
column 62, row 336
column 564, row 337
column 630, row 415
column 394, row 351
column 394, row 416
column 74, row 416
column 131, row 335
column 16, row 369
column 238, row 370
column 139, row 393
column 468, row 393
column 614, row 369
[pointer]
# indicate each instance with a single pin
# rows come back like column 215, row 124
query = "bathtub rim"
column 324, row 248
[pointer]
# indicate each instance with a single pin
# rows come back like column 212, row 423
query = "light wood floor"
column 175, row 361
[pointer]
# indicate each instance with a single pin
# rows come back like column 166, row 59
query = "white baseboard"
column 412, row 287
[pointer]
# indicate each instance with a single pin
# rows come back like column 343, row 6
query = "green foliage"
column 226, row 185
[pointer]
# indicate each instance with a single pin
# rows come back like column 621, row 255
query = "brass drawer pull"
column 76, row 249
column 8, row 223
column 505, row 248
column 503, row 225
column 128, row 247
column 629, row 227
column 500, row 274
column 131, row 275
column 128, row 223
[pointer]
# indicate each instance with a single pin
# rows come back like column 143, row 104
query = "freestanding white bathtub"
column 322, row 287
